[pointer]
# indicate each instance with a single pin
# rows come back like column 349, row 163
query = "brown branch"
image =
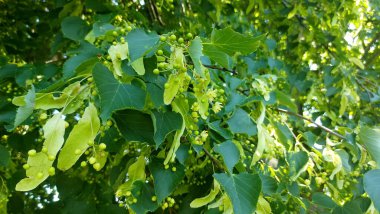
column 216, row 161
column 234, row 72
column 368, row 47
column 311, row 121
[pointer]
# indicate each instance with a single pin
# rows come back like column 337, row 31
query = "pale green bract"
column 82, row 133
column 136, row 171
column 200, row 202
column 54, row 130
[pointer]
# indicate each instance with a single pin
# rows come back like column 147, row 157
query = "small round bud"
column 172, row 37
column 162, row 38
column 181, row 40
column 160, row 52
column 32, row 152
column 51, row 171
column 83, row 163
column 90, row 142
column 156, row 71
column 51, row 158
column 43, row 116
column 97, row 166
column 189, row 35
column 154, row 198
column 102, row 146
column 44, row 150
column 26, row 166
column 92, row 160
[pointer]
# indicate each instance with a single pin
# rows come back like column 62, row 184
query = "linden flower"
column 211, row 94
column 204, row 135
column 217, row 107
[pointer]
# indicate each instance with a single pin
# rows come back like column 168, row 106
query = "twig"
column 221, row 69
column 311, row 121
column 368, row 47
column 216, row 162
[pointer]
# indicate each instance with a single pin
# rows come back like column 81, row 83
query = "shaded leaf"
column 165, row 123
column 165, row 180
column 74, row 28
column 241, row 122
column 140, row 43
column 370, row 137
column 115, row 95
column 135, row 125
column 229, row 152
column 242, row 189
column 372, row 186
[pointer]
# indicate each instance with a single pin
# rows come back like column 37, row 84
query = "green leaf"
column 135, row 126
column 241, row 122
column 5, row 156
column 230, row 42
column 348, row 208
column 143, row 192
column 284, row 99
column 284, row 134
column 297, row 163
column 263, row 207
column 115, row 95
column 372, row 186
column 195, row 52
column 173, row 121
column 74, row 28
column 165, row 180
column 357, row 62
column 140, row 43
column 82, row 133
column 200, row 202
column 225, row 133
column 38, row 164
column 323, row 200
column 175, row 82
column 229, row 152
column 269, row 184
column 370, row 137
column 243, row 190
column 217, row 55
column 23, row 112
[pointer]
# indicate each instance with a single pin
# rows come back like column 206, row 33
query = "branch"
column 368, row 47
column 234, row 72
column 311, row 121
column 216, row 161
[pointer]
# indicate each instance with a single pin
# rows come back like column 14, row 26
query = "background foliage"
column 189, row 106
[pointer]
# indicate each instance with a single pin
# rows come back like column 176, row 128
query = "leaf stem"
column 311, row 121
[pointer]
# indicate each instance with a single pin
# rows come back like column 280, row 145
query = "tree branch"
column 216, row 161
column 311, row 121
column 221, row 69
column 368, row 47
